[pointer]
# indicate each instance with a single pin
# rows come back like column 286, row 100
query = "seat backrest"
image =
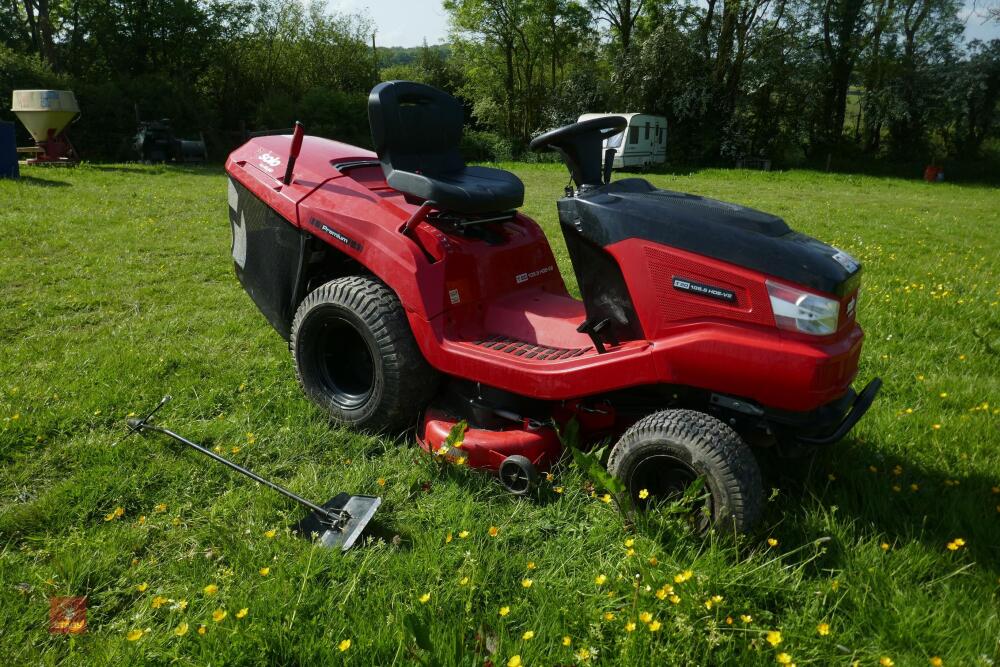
column 415, row 128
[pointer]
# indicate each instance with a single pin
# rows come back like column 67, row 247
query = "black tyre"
column 667, row 451
column 518, row 474
column 356, row 358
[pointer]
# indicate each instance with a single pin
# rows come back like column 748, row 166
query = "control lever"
column 609, row 159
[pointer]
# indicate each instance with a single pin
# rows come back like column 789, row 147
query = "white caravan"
column 643, row 143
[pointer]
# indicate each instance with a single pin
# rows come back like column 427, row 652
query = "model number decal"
column 349, row 242
column 685, row 285
column 269, row 161
column 525, row 277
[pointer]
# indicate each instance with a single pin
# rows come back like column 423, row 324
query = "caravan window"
column 633, row 135
column 647, row 131
column 615, row 141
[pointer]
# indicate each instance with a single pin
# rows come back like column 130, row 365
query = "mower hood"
column 634, row 209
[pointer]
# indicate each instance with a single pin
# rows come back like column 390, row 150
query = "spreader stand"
column 338, row 523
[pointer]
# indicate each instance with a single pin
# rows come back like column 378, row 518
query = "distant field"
column 116, row 287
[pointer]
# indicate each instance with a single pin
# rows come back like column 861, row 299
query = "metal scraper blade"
column 361, row 510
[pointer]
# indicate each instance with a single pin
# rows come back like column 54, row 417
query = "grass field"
column 116, row 288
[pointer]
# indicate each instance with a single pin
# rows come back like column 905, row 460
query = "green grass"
column 116, row 287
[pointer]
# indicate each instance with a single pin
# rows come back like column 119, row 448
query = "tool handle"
column 293, row 153
column 333, row 517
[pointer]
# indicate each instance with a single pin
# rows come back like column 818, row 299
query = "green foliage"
column 147, row 293
column 116, row 286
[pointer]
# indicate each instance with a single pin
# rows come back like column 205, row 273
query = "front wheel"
column 356, row 358
column 663, row 454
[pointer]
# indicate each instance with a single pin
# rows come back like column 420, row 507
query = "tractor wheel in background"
column 355, row 356
column 667, row 451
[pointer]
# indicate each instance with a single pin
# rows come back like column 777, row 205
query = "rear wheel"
column 663, row 454
column 356, row 358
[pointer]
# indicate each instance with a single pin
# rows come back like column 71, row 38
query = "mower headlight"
column 795, row 310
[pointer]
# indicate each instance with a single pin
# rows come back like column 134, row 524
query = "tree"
column 621, row 15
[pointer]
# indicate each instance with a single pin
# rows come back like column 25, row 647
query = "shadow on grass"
column 890, row 500
column 43, row 182
column 160, row 168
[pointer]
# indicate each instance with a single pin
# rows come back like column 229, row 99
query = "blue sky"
column 410, row 22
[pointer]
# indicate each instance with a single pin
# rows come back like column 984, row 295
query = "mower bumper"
column 830, row 428
column 828, row 423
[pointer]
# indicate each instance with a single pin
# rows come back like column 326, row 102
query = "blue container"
column 8, row 151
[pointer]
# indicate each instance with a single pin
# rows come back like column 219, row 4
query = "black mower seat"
column 416, row 130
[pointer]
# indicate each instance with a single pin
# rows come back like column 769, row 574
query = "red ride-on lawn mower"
column 412, row 291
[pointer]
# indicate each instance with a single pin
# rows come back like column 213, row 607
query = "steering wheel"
column 580, row 145
column 605, row 126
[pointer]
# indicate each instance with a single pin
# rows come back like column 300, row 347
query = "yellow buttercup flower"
column 448, row 538
column 630, row 626
column 746, row 618
column 643, row 494
column 526, row 583
column 269, row 534
column 529, row 634
column 381, row 482
column 515, row 661
column 504, row 610
column 606, row 498
column 683, row 576
column 645, row 617
column 344, row 645
column 773, row 637
column 494, row 531
column 600, row 580
column 425, row 598
column 675, row 599
column 567, row 640
column 202, row 629
column 135, row 635
column 630, row 543
column 653, row 561
column 531, row 565
column 936, row 662
column 264, row 571
column 557, row 489
column 211, row 590
column 609, row 616
column 142, row 587
column 783, row 659
column 464, row 534
column 823, row 629
column 772, row 542
column 218, row 615
column 242, row 612
column 159, row 601
column 884, row 546
column 181, row 629
column 654, row 626
column 886, row 661
column 463, row 581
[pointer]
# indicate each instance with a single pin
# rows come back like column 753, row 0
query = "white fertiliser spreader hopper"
column 641, row 145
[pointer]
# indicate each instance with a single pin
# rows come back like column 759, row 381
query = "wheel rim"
column 342, row 360
column 666, row 478
column 514, row 478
